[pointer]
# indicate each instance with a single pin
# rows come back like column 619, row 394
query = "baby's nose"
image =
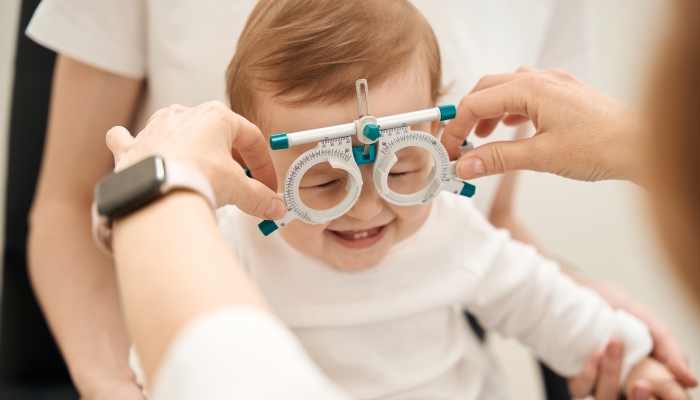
column 370, row 204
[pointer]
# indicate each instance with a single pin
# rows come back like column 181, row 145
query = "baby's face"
column 362, row 237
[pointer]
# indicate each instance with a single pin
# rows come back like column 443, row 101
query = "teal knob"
column 267, row 227
column 468, row 190
column 279, row 141
column 371, row 132
column 447, row 112
column 247, row 172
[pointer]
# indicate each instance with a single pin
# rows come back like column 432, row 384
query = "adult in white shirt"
column 120, row 60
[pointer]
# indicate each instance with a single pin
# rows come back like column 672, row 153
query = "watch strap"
column 178, row 175
column 182, row 176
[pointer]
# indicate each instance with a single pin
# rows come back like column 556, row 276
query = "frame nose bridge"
column 369, row 202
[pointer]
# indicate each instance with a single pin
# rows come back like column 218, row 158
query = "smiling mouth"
column 358, row 239
column 355, row 235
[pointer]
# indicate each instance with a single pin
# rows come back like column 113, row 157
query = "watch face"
column 124, row 191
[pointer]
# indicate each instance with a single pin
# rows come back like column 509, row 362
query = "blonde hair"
column 302, row 52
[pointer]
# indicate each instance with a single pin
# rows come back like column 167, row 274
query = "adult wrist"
column 138, row 185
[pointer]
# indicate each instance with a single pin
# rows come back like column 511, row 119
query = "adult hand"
column 581, row 133
column 601, row 377
column 219, row 132
column 666, row 350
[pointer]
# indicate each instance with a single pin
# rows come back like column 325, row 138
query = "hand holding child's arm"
column 601, row 375
column 650, row 379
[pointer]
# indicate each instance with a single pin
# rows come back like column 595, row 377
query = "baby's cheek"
column 303, row 237
column 411, row 212
column 409, row 219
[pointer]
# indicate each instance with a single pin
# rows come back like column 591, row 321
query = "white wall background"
column 601, row 228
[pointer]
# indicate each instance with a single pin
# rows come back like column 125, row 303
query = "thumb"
column 497, row 158
column 118, row 142
column 254, row 198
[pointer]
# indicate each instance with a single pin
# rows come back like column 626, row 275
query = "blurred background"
column 600, row 228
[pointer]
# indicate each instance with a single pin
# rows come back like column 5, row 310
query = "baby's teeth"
column 360, row 235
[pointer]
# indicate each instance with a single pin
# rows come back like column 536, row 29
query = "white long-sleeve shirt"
column 397, row 331
column 239, row 353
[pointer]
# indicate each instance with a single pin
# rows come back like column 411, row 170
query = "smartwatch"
column 123, row 192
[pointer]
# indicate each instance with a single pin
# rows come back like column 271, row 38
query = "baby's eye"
column 398, row 175
column 326, row 185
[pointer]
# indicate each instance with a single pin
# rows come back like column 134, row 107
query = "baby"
column 377, row 296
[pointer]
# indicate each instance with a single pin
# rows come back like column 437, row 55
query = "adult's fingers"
column 499, row 157
column 670, row 353
column 254, row 198
column 525, row 68
column 515, row 119
column 513, row 97
column 670, row 390
column 237, row 157
column 484, row 127
column 247, row 144
column 488, row 81
column 250, row 143
column 641, row 390
column 157, row 114
column 118, row 141
column 610, row 366
column 583, row 384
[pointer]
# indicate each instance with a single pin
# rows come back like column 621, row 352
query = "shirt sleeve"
column 239, row 353
column 522, row 294
column 106, row 34
column 566, row 44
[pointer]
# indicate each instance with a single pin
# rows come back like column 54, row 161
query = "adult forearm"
column 76, row 287
column 175, row 237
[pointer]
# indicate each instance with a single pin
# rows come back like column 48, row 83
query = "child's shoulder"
column 234, row 225
column 448, row 206
column 458, row 218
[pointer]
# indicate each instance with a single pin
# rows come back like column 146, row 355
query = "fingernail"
column 275, row 209
column 615, row 349
column 470, row 168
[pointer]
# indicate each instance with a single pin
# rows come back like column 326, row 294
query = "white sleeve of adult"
column 239, row 353
column 106, row 34
column 522, row 294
